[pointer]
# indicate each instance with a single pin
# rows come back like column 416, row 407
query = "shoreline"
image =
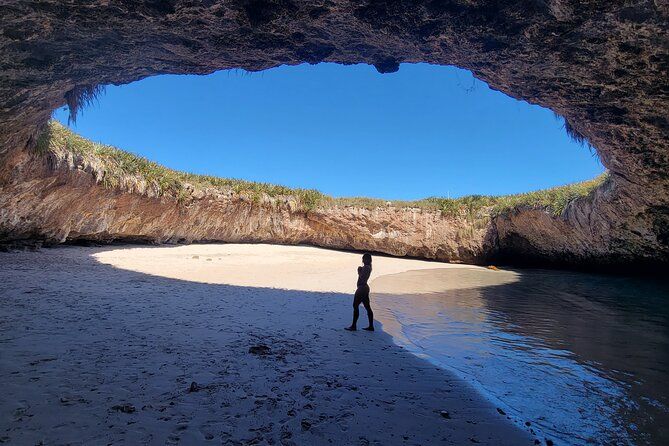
column 388, row 290
column 550, row 349
column 94, row 352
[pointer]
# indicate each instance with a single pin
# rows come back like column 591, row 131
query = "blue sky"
column 345, row 130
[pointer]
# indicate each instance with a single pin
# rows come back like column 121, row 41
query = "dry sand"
column 103, row 345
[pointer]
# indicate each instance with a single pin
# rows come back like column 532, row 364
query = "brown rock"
column 601, row 66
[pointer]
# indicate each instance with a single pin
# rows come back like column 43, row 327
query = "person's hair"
column 367, row 258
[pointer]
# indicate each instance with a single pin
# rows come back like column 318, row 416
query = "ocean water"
column 582, row 358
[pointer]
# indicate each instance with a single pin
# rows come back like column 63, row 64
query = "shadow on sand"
column 93, row 354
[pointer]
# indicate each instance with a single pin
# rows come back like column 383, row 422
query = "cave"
column 602, row 66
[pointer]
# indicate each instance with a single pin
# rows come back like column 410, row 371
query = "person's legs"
column 370, row 313
column 356, row 314
column 356, row 311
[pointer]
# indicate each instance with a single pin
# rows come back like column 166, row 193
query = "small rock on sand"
column 124, row 408
column 445, row 414
column 259, row 349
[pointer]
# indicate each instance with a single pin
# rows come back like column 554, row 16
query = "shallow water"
column 583, row 358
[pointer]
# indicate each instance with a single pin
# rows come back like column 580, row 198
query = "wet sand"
column 582, row 358
column 216, row 344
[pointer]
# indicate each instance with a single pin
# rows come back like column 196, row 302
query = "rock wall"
column 604, row 231
column 53, row 199
column 601, row 64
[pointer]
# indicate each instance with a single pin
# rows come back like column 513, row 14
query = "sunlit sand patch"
column 301, row 268
column 429, row 281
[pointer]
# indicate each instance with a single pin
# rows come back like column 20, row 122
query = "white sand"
column 302, row 268
column 86, row 331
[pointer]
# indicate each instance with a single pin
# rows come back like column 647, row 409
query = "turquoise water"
column 582, row 358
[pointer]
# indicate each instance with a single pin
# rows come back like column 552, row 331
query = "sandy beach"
column 217, row 344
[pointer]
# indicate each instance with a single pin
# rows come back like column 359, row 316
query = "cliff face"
column 608, row 228
column 58, row 197
column 55, row 199
column 601, row 64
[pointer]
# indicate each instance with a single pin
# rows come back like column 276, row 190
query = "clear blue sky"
column 345, row 130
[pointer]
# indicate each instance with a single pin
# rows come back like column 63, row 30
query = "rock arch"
column 602, row 65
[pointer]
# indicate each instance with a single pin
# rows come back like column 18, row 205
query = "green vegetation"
column 80, row 97
column 554, row 200
column 115, row 168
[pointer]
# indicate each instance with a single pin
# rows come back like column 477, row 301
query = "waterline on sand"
column 581, row 357
column 94, row 353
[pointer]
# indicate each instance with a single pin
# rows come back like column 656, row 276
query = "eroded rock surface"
column 603, row 65
column 56, row 199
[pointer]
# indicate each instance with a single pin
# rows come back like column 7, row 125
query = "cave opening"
column 347, row 131
column 599, row 67
column 88, row 325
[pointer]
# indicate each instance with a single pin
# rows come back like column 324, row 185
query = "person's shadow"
column 93, row 353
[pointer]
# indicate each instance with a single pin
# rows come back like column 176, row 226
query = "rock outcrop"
column 60, row 197
column 603, row 65
column 53, row 199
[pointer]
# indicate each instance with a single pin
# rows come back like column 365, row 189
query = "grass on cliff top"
column 554, row 200
column 115, row 168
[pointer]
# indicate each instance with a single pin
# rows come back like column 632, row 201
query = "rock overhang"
column 601, row 65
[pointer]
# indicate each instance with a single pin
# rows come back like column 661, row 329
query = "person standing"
column 362, row 294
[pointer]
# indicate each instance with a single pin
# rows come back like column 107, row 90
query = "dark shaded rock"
column 600, row 66
column 445, row 414
column 124, row 408
column 387, row 66
column 260, row 350
column 194, row 387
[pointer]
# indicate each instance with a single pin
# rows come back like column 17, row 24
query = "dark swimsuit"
column 362, row 292
column 362, row 297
